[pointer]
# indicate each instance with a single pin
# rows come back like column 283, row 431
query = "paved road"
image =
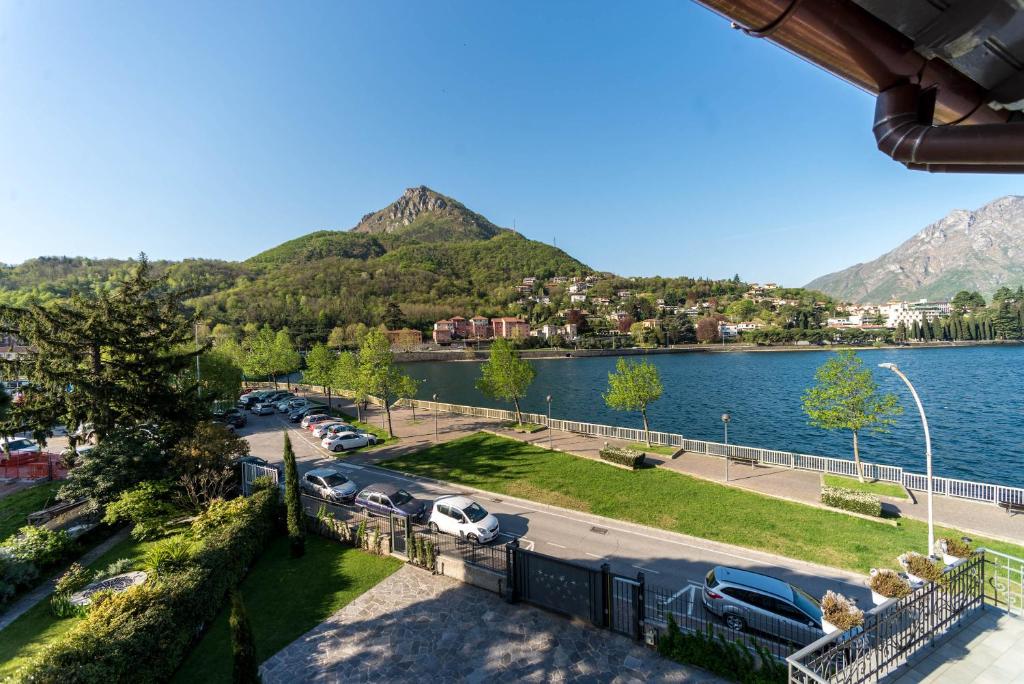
column 670, row 561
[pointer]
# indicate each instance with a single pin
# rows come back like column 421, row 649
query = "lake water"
column 973, row 396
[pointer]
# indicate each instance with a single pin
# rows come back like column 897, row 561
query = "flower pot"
column 914, row 580
column 949, row 560
column 828, row 627
column 877, row 598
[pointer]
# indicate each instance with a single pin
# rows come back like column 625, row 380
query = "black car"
column 231, row 416
column 297, row 415
column 385, row 499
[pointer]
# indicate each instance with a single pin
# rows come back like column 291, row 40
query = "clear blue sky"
column 647, row 138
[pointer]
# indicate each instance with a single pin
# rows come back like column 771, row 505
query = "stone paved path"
column 40, row 593
column 418, row 626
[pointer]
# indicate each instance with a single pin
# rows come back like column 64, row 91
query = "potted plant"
column 887, row 584
column 953, row 550
column 921, row 569
column 838, row 613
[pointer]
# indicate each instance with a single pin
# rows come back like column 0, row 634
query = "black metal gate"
column 401, row 530
column 625, row 597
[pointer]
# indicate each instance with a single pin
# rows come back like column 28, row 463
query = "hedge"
column 851, row 500
column 715, row 653
column 623, row 456
column 144, row 633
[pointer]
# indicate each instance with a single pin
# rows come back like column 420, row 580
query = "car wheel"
column 434, row 528
column 338, row 449
column 735, row 622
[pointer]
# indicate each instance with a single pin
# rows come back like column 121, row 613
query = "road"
column 672, row 562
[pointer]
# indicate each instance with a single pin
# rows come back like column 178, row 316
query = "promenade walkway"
column 972, row 517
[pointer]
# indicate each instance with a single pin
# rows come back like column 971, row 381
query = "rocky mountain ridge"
column 979, row 250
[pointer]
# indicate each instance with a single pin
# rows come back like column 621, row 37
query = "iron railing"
column 948, row 486
column 1004, row 582
column 894, row 631
column 490, row 556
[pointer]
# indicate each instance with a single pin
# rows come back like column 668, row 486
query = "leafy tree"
column 965, row 301
column 258, row 350
column 633, row 387
column 707, row 329
column 285, row 359
column 293, row 502
column 146, row 505
column 337, row 338
column 505, row 376
column 345, row 377
column 407, row 389
column 245, row 669
column 741, row 310
column 110, row 357
column 204, row 464
column 320, row 363
column 847, row 398
column 220, row 376
column 378, row 374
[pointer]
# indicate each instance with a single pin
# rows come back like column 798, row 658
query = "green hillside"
column 321, row 245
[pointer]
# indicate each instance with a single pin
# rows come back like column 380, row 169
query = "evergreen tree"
column 293, row 502
column 847, row 398
column 915, row 331
column 505, row 376
column 901, row 331
column 111, row 358
column 243, row 646
column 968, row 325
column 393, row 317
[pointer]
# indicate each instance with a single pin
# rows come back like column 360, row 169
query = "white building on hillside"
column 909, row 313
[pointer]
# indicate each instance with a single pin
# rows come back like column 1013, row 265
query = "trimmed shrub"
column 623, row 456
column 716, row 654
column 295, row 515
column 851, row 500
column 243, row 647
column 27, row 554
column 144, row 633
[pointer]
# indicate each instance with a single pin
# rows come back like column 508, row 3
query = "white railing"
column 962, row 489
column 252, row 471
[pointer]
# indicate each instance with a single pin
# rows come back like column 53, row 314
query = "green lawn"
column 37, row 628
column 889, row 489
column 669, row 500
column 15, row 507
column 654, row 448
column 285, row 599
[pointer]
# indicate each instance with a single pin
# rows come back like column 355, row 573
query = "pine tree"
column 915, row 331
column 110, row 357
column 293, row 502
column 243, row 646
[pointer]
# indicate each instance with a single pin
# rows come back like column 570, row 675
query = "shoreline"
column 473, row 356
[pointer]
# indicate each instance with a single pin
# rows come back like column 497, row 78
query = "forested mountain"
column 966, row 250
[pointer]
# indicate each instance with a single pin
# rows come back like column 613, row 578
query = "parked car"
column 313, row 419
column 231, row 416
column 751, row 600
column 328, row 483
column 18, row 445
column 264, row 409
column 462, row 517
column 337, row 428
column 345, row 440
column 323, row 429
column 250, row 399
column 385, row 499
column 298, row 414
column 286, row 405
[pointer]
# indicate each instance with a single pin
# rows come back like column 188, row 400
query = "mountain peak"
column 965, row 250
column 422, row 207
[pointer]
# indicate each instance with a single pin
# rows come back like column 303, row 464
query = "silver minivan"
column 749, row 600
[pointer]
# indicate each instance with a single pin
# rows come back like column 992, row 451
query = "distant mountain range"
column 979, row 250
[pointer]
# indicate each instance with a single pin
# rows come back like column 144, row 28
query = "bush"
column 118, row 567
column 73, row 579
column 142, row 634
column 718, row 655
column 851, row 500
column 243, row 645
column 888, row 583
column 168, row 556
column 25, row 555
column 623, row 456
column 146, row 506
column 921, row 566
column 840, row 611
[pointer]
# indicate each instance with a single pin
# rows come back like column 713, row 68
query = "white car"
column 18, row 446
column 287, row 405
column 463, row 517
column 343, row 441
column 327, row 427
column 314, row 419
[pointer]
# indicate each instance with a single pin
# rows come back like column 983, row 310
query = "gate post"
column 640, row 603
column 606, row 595
column 407, row 522
column 511, row 576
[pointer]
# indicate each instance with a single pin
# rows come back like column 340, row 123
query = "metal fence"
column 1004, row 582
column 489, row 556
column 895, row 631
column 963, row 489
column 252, row 471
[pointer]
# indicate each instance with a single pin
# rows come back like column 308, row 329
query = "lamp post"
column 725, row 424
column 434, row 398
column 550, row 437
column 927, row 449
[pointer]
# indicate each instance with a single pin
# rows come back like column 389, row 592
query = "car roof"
column 755, row 580
column 382, row 488
column 324, row 472
column 460, row 502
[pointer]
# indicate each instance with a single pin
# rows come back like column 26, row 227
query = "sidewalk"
column 802, row 486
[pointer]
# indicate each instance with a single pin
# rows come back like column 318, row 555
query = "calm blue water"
column 974, row 398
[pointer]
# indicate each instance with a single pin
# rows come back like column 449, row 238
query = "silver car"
column 749, row 600
column 328, row 483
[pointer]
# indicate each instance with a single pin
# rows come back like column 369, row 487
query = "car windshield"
column 401, row 497
column 17, row 444
column 806, row 603
column 335, row 480
column 474, row 512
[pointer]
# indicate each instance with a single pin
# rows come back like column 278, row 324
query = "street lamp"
column 550, row 437
column 725, row 423
column 434, row 398
column 927, row 449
